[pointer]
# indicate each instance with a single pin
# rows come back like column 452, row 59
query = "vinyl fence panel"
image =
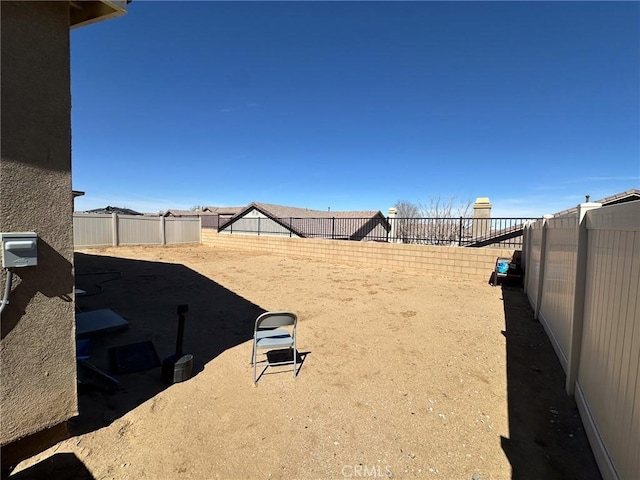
column 589, row 302
column 182, row 230
column 533, row 262
column 137, row 230
column 608, row 384
column 90, row 230
column 556, row 309
column 99, row 230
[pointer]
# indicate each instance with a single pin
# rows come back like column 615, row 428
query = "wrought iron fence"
column 461, row 231
column 430, row 231
column 372, row 228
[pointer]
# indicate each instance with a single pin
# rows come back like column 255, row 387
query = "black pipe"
column 182, row 310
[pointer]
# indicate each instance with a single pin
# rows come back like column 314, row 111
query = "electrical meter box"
column 19, row 249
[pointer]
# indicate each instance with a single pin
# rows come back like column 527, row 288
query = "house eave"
column 83, row 13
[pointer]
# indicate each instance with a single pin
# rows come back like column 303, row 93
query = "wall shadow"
column 546, row 436
column 61, row 466
column 147, row 294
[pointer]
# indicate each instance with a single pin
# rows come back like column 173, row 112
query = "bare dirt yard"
column 404, row 375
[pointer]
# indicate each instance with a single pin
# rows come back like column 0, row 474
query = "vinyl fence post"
column 526, row 235
column 163, row 231
column 543, row 255
column 575, row 340
column 114, row 229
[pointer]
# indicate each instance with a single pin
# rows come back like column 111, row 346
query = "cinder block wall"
column 454, row 262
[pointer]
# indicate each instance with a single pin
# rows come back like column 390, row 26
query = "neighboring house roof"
column 186, row 213
column 224, row 210
column 293, row 218
column 179, row 213
column 281, row 211
column 627, row 196
column 109, row 209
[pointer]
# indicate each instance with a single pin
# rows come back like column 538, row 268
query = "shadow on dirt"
column 60, row 466
column 147, row 294
column 546, row 437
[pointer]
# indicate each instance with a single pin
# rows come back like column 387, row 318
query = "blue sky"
column 357, row 105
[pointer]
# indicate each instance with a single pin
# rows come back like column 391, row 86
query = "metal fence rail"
column 461, row 231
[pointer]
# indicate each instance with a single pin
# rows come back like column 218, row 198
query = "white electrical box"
column 19, row 249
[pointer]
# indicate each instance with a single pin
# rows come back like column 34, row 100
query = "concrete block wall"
column 454, row 262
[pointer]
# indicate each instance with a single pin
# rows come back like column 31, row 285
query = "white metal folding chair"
column 269, row 335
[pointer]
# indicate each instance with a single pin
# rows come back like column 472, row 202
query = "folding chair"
column 268, row 335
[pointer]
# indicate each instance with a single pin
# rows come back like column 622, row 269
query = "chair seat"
column 270, row 333
column 275, row 339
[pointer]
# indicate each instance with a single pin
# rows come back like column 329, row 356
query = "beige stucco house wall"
column 37, row 346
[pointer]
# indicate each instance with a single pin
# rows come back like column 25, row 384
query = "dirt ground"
column 404, row 375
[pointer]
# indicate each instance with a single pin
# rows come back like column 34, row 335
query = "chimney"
column 481, row 218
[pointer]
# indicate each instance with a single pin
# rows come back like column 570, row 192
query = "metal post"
column 333, row 227
column 258, row 226
column 460, row 233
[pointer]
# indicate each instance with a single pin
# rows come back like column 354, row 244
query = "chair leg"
column 294, row 361
column 254, row 365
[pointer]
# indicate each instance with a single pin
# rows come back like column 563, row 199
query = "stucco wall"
column 455, row 262
column 37, row 349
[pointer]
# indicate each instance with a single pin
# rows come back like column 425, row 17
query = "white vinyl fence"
column 582, row 279
column 106, row 230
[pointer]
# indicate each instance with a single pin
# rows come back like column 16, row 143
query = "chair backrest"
column 276, row 319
